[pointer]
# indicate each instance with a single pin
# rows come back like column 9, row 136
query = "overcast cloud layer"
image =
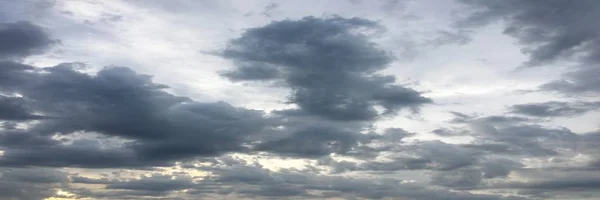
column 386, row 99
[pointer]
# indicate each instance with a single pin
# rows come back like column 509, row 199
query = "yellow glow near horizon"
column 64, row 195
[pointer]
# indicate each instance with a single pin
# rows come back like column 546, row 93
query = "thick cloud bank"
column 329, row 64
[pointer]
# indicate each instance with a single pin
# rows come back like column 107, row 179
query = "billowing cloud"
column 146, row 125
column 329, row 64
column 117, row 102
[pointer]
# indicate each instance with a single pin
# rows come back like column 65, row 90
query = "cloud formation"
column 22, row 39
column 549, row 31
column 147, row 125
column 117, row 102
column 329, row 64
column 73, row 131
column 30, row 183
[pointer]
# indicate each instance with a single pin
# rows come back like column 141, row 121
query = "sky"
column 290, row 99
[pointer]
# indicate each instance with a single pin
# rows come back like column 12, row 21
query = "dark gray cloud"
column 558, row 181
column 444, row 156
column 254, row 181
column 516, row 135
column 16, row 138
column 314, row 142
column 122, row 194
column 151, row 127
column 420, row 155
column 550, row 31
column 559, row 27
column 83, row 153
column 563, row 183
column 240, row 179
column 587, row 145
column 554, row 108
column 302, row 135
column 21, row 39
column 502, row 167
column 12, row 108
column 115, row 118
column 30, row 183
column 33, row 175
column 13, row 74
column 329, row 64
column 156, row 183
column 154, row 127
column 441, row 158
column 86, row 180
column 458, row 179
column 119, row 103
column 576, row 82
column 502, row 142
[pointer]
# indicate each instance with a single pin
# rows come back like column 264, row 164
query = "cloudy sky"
column 305, row 99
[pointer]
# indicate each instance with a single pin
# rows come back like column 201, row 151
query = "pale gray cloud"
column 554, row 108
